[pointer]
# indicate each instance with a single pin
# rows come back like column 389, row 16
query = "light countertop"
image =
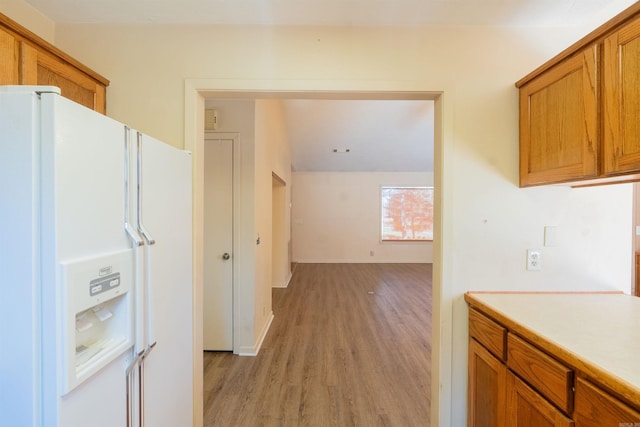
column 597, row 333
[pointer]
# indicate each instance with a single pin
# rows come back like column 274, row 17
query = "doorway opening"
column 196, row 93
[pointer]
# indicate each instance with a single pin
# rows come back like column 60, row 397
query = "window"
column 407, row 213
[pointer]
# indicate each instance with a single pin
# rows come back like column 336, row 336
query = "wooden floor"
column 350, row 345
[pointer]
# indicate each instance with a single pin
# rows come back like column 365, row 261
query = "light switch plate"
column 550, row 236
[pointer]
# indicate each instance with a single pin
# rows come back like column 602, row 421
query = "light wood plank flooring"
column 350, row 345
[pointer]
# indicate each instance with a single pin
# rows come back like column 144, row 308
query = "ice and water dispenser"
column 97, row 314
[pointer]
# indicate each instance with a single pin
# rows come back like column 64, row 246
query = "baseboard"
column 255, row 349
column 283, row 285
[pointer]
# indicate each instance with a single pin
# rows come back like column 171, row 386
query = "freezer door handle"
column 150, row 347
column 144, row 354
column 150, row 240
column 130, row 386
column 136, row 240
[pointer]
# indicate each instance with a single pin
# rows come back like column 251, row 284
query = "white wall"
column 30, row 18
column 487, row 222
column 336, row 217
column 273, row 154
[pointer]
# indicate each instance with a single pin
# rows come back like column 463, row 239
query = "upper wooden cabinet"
column 578, row 111
column 26, row 59
column 559, row 122
column 621, row 96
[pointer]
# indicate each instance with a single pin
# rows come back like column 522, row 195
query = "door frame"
column 198, row 228
column 195, row 93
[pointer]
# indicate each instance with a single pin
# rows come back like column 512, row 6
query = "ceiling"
column 359, row 135
column 323, row 12
column 380, row 135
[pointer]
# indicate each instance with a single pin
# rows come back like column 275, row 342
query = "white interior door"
column 218, row 245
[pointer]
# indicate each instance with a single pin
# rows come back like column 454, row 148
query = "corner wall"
column 272, row 155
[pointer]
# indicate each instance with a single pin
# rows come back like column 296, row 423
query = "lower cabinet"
column 527, row 408
column 498, row 398
column 596, row 408
column 487, row 392
column 529, row 387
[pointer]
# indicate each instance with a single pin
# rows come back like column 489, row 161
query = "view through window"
column 407, row 213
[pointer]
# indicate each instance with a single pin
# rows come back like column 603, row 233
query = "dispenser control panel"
column 97, row 315
column 103, row 284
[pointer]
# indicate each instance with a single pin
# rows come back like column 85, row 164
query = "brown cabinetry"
column 553, row 379
column 559, row 122
column 487, row 372
column 26, row 59
column 487, row 392
column 596, row 408
column 578, row 112
column 527, row 408
column 517, row 379
column 497, row 396
column 621, row 79
column 488, row 333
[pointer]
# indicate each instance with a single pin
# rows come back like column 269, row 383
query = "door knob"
column 226, row 256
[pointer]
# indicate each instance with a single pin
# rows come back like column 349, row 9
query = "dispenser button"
column 104, row 284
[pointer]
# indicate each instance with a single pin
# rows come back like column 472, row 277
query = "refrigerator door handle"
column 140, row 364
column 148, row 349
column 141, row 392
column 136, row 240
column 130, row 386
column 150, row 240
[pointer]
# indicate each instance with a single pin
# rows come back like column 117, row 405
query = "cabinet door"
column 8, row 58
column 26, row 59
column 621, row 72
column 528, row 409
column 595, row 408
column 73, row 84
column 559, row 132
column 487, row 388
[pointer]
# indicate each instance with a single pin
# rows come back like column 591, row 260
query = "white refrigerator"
column 96, row 318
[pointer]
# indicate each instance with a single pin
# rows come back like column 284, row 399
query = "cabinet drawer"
column 488, row 333
column 551, row 378
column 595, row 408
